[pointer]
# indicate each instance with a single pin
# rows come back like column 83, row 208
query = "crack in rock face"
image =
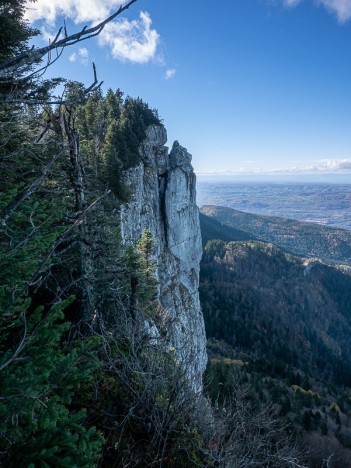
column 164, row 201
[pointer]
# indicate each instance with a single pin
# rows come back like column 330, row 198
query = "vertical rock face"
column 164, row 201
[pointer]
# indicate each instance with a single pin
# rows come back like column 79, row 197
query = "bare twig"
column 25, row 61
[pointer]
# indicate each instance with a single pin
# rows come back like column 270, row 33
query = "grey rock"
column 164, row 201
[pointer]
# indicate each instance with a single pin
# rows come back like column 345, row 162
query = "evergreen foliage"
column 112, row 129
column 145, row 247
column 25, row 242
column 14, row 30
column 275, row 324
column 14, row 36
column 37, row 388
column 256, row 297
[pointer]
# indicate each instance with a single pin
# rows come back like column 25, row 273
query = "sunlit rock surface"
column 164, row 201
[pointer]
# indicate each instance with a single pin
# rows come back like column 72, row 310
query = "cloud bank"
column 325, row 166
column 341, row 8
column 337, row 164
column 133, row 41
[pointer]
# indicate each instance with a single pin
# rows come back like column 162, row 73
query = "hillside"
column 282, row 325
column 213, row 229
column 255, row 297
column 303, row 239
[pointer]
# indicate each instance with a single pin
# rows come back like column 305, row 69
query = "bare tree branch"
column 48, row 166
column 25, row 61
column 93, row 87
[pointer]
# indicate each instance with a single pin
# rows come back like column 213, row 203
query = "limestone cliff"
column 164, row 201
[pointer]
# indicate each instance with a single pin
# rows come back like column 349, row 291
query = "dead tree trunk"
column 75, row 172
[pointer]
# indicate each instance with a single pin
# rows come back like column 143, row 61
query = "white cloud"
column 131, row 40
column 341, row 8
column 291, row 3
column 82, row 55
column 170, row 73
column 337, row 164
column 78, row 11
column 83, row 52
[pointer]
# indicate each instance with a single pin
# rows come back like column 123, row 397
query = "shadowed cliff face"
column 164, row 202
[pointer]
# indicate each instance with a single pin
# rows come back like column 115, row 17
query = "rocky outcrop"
column 164, row 202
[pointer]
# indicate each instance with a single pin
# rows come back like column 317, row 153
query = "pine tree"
column 14, row 30
column 147, row 283
column 41, row 424
column 114, row 146
column 25, row 243
column 14, row 36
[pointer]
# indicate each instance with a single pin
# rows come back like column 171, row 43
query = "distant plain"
column 322, row 203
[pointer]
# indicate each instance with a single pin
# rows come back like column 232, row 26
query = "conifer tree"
column 14, row 36
column 14, row 30
column 37, row 387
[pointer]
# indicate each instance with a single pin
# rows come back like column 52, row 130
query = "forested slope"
column 257, row 298
column 305, row 239
column 282, row 324
column 213, row 229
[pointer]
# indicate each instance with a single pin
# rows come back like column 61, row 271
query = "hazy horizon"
column 342, row 179
column 316, row 202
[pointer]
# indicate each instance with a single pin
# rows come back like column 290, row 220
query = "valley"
column 280, row 323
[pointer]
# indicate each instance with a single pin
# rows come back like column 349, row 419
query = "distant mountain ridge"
column 303, row 239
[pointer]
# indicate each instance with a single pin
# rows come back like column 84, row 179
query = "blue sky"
column 247, row 86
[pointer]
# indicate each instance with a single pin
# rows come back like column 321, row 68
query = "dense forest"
column 282, row 325
column 213, row 229
column 82, row 383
